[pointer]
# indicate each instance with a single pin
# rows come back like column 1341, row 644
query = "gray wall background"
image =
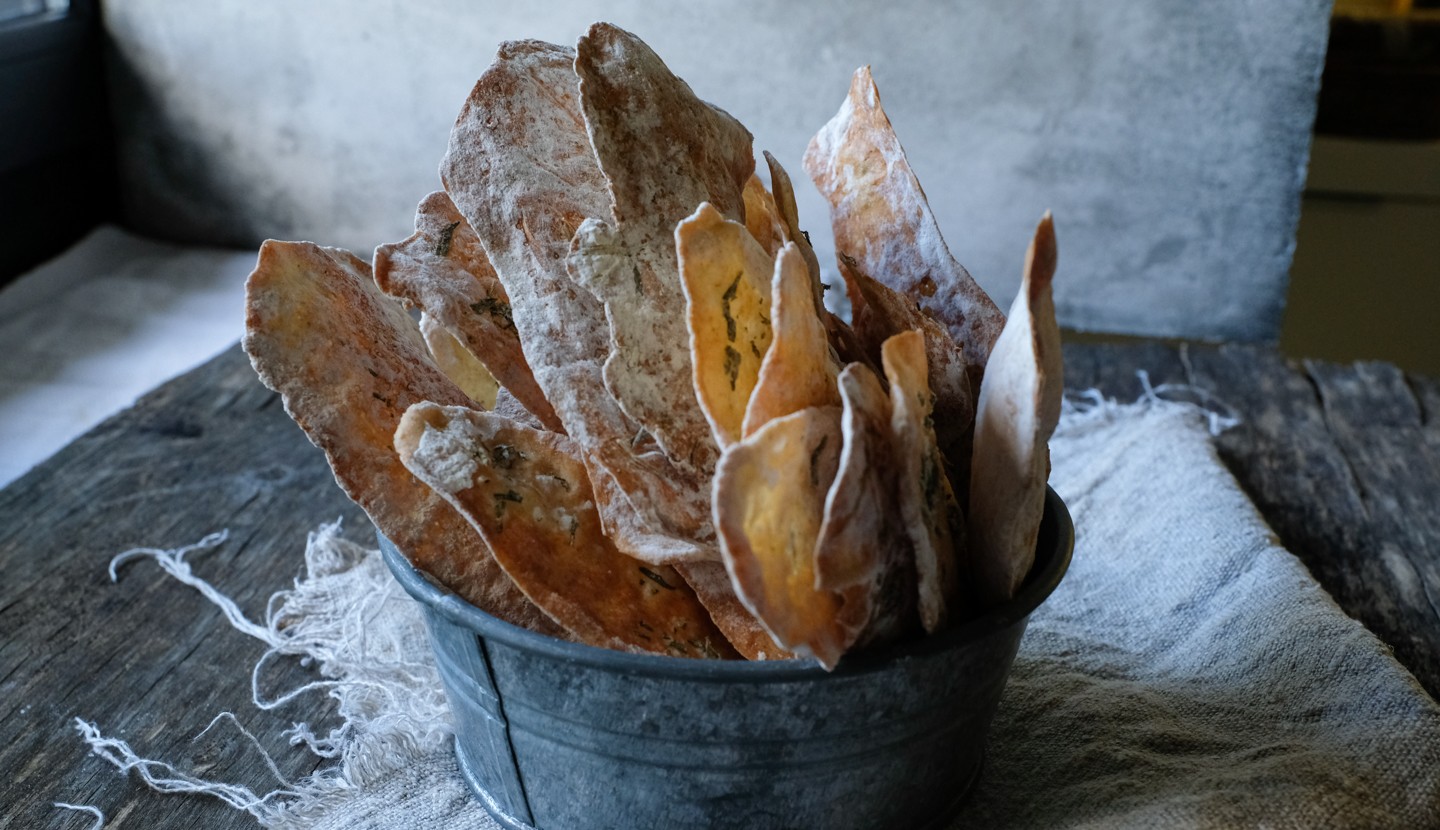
column 1170, row 137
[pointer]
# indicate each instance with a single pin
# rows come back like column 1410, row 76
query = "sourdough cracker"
column 882, row 220
column 347, row 360
column 520, row 168
column 863, row 552
column 1018, row 411
column 528, row 494
column 663, row 152
column 726, row 277
column 769, row 503
column 927, row 502
column 799, row 370
column 762, row 217
column 879, row 313
column 712, row 585
column 458, row 364
column 790, row 217
column 442, row 269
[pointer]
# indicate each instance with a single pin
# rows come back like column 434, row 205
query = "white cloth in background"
column 1188, row 672
column 87, row 333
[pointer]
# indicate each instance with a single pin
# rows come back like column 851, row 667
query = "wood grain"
column 1343, row 461
column 146, row 659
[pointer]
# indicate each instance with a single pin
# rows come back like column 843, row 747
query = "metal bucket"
column 560, row 736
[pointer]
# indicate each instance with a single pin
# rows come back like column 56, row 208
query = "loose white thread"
column 348, row 619
column 1084, row 406
column 84, row 808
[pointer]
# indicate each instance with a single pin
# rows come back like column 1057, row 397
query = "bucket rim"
column 1054, row 547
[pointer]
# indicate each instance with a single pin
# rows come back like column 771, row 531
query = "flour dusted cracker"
column 663, row 151
column 762, row 217
column 863, row 552
column 880, row 312
column 882, row 220
column 442, row 268
column 527, row 492
column 1018, row 411
column 347, row 361
column 927, row 501
column 712, row 585
column 519, row 166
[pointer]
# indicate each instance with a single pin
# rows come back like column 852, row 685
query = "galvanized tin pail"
column 560, row 736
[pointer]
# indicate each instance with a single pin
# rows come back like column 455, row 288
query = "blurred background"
column 1229, row 170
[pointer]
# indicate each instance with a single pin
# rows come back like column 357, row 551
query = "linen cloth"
column 1188, row 672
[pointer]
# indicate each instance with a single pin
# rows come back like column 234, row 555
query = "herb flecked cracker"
column 863, row 552
column 726, row 276
column 799, row 370
column 882, row 220
column 712, row 585
column 520, row 167
column 879, row 313
column 348, row 360
column 527, row 493
column 1018, row 411
column 769, row 504
column 663, row 151
column 927, row 501
column 442, row 269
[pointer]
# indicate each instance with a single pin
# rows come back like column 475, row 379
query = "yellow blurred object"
column 1372, row 8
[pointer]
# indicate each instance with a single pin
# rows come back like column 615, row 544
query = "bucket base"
column 509, row 822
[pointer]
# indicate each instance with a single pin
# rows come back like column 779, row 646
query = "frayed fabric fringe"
column 348, row 618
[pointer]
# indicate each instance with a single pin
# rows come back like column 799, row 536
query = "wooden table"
column 1344, row 461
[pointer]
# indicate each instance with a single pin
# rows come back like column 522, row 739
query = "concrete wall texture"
column 1169, row 137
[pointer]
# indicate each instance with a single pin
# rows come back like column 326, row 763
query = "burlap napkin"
column 1187, row 673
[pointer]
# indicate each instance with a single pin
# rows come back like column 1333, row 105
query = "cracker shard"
column 882, row 220
column 1018, row 411
column 863, row 552
column 443, row 270
column 663, row 151
column 799, row 370
column 726, row 276
column 347, row 360
column 769, row 504
column 527, row 492
column 928, row 505
column 521, row 170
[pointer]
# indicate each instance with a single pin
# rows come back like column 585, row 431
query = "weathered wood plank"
column 147, row 660
column 1342, row 461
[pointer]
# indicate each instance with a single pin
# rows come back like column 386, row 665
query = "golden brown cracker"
column 726, row 275
column 790, row 217
column 463, row 368
column 863, row 552
column 927, row 501
column 712, row 585
column 1018, row 411
column 347, row 361
column 880, row 313
column 527, row 492
column 799, row 370
column 881, row 219
column 769, row 504
column 762, row 218
column 442, row 269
